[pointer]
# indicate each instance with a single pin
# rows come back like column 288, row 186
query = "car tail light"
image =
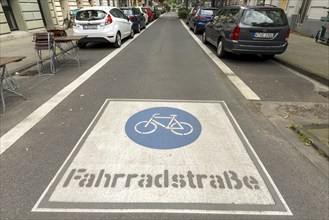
column 108, row 20
column 132, row 18
column 202, row 18
column 288, row 33
column 236, row 33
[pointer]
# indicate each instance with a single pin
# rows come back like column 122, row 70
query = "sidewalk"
column 311, row 59
column 20, row 45
column 307, row 56
column 303, row 54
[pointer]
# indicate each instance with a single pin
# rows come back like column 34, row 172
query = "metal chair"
column 45, row 42
column 63, row 46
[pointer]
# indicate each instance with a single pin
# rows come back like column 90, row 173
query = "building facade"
column 28, row 16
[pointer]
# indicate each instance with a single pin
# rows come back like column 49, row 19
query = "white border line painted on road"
column 239, row 84
column 8, row 139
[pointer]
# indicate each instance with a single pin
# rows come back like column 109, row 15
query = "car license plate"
column 89, row 27
column 263, row 35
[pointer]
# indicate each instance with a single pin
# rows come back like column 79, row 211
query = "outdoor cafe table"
column 5, row 76
column 72, row 46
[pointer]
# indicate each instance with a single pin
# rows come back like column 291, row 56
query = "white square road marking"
column 217, row 173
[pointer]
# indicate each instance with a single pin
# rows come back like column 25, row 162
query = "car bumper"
column 135, row 26
column 95, row 35
column 238, row 48
column 200, row 26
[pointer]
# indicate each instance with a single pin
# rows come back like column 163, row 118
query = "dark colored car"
column 199, row 20
column 190, row 14
column 136, row 17
column 261, row 29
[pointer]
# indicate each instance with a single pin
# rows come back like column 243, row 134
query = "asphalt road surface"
column 157, row 130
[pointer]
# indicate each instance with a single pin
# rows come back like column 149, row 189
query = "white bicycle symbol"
column 175, row 126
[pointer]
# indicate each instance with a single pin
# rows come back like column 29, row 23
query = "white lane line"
column 239, row 84
column 8, row 139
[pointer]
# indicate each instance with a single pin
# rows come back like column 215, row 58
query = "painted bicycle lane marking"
column 163, row 128
column 118, row 167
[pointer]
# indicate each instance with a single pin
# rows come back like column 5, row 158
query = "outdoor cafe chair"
column 45, row 42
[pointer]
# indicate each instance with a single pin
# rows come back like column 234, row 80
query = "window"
column 127, row 12
column 121, row 14
column 232, row 16
column 207, row 12
column 7, row 10
column 222, row 17
column 136, row 11
column 216, row 16
column 114, row 12
column 88, row 15
column 265, row 17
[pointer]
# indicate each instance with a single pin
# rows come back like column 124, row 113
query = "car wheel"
column 204, row 37
column 81, row 45
column 132, row 34
column 220, row 49
column 195, row 31
column 117, row 42
column 138, row 28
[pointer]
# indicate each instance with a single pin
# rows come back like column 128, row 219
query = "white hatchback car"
column 144, row 13
column 102, row 24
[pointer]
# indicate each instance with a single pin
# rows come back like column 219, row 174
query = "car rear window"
column 88, row 15
column 207, row 12
column 136, row 11
column 266, row 17
column 127, row 12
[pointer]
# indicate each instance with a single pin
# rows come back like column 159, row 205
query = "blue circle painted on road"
column 163, row 128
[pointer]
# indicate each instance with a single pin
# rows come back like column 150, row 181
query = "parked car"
column 190, row 14
column 198, row 21
column 154, row 12
column 144, row 13
column 102, row 24
column 149, row 13
column 162, row 10
column 136, row 17
column 260, row 30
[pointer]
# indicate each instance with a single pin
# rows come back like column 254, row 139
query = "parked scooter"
column 323, row 35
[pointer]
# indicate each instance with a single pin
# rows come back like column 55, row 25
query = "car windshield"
column 264, row 17
column 207, row 12
column 88, row 15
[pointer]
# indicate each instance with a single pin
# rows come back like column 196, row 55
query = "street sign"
column 163, row 156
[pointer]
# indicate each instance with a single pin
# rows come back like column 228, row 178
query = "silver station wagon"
column 261, row 29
